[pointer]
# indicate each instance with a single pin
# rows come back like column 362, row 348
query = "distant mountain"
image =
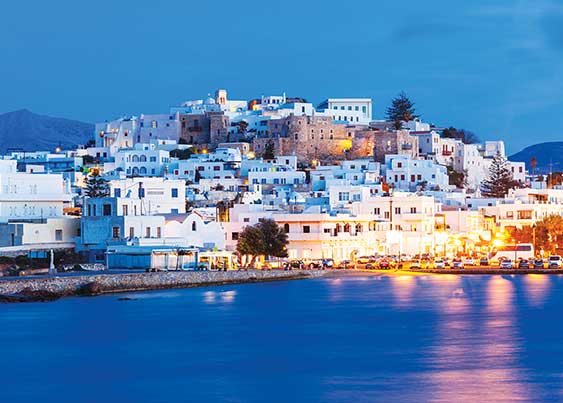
column 545, row 154
column 28, row 131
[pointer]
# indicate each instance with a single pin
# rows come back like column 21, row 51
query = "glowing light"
column 251, row 155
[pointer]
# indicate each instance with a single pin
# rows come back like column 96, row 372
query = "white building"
column 141, row 160
column 352, row 110
column 25, row 196
column 155, row 195
column 405, row 173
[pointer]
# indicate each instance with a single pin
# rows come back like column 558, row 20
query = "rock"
column 30, row 295
column 89, row 289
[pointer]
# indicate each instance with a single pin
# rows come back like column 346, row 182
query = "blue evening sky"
column 494, row 67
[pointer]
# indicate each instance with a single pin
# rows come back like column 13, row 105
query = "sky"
column 493, row 67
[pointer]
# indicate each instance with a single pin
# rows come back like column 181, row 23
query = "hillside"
column 545, row 154
column 28, row 131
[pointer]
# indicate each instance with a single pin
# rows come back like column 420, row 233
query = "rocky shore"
column 52, row 288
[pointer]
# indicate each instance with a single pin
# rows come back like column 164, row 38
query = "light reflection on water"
column 387, row 338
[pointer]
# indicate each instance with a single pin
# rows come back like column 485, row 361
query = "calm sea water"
column 355, row 339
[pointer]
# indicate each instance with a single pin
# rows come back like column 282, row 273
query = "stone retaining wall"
column 68, row 285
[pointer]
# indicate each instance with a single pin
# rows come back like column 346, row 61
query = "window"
column 246, row 219
column 141, row 193
column 234, row 236
column 107, row 209
column 399, row 164
column 58, row 235
column 397, row 210
column 286, row 228
column 158, row 232
column 117, row 192
column 148, row 232
column 131, row 232
column 125, row 209
column 343, row 196
column 194, row 226
column 413, row 210
column 174, row 192
column 376, row 211
column 115, row 232
column 216, row 168
column 306, row 229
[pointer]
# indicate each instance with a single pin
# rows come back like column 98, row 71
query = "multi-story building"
column 27, row 196
column 405, row 173
column 352, row 110
column 141, row 160
column 307, row 137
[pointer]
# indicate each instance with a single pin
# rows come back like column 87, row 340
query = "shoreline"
column 46, row 289
column 52, row 288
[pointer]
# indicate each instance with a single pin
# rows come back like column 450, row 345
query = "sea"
column 361, row 338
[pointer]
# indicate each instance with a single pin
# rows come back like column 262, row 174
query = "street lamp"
column 534, row 238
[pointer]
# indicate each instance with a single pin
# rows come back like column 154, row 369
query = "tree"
column 269, row 151
column 250, row 243
column 263, row 239
column 548, row 234
column 274, row 239
column 241, row 126
column 184, row 154
column 401, row 110
column 466, row 136
column 96, row 185
column 500, row 179
column 456, row 178
column 533, row 164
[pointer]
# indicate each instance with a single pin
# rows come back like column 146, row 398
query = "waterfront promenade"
column 93, row 284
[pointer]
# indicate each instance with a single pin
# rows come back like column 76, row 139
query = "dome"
column 209, row 100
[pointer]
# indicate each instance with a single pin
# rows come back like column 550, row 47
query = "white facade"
column 141, row 160
column 155, row 195
column 405, row 173
column 31, row 196
column 353, row 110
column 196, row 230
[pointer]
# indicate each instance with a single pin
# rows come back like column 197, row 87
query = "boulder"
column 89, row 289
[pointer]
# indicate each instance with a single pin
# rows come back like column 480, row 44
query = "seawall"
column 112, row 283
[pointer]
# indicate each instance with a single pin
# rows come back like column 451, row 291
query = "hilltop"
column 545, row 154
column 28, row 131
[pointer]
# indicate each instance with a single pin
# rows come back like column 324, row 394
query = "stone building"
column 393, row 142
column 307, row 137
column 204, row 128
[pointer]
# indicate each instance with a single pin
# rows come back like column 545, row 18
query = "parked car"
column 363, row 259
column 539, row 264
column 554, row 262
column 468, row 261
column 327, row 263
column 370, row 266
column 314, row 264
column 294, row 264
column 457, row 264
column 386, row 264
column 506, row 264
column 439, row 264
column 484, row 261
column 346, row 264
column 523, row 264
column 416, row 264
